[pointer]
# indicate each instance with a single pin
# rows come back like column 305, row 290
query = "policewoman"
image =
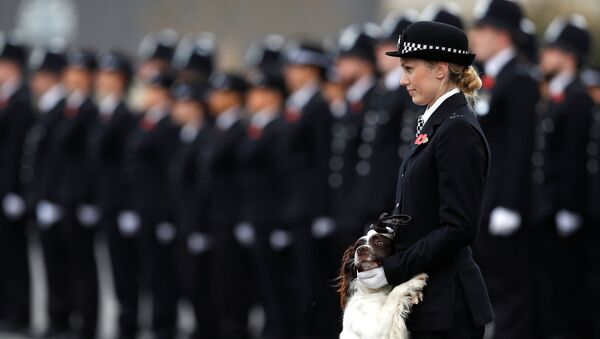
column 441, row 187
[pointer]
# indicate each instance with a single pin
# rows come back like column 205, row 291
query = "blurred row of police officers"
column 229, row 190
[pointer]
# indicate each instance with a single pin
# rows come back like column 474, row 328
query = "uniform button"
column 407, row 134
column 363, row 168
column 338, row 146
column 592, row 148
column 538, row 176
column 368, row 134
column 335, row 180
column 547, row 125
column 592, row 166
column 371, row 118
column 365, row 151
column 383, row 117
column 537, row 159
column 336, row 163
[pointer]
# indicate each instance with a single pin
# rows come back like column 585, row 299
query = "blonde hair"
column 465, row 78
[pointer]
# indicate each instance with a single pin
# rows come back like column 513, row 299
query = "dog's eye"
column 379, row 243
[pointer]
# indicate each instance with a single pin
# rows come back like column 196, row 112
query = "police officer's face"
column 297, row 76
column 594, row 92
column 78, row 79
column 8, row 70
column 221, row 101
column 110, row 83
column 350, row 69
column 262, row 98
column 423, row 81
column 42, row 81
column 485, row 42
column 187, row 111
column 155, row 96
column 553, row 61
column 385, row 63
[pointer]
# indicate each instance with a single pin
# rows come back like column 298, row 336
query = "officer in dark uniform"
column 107, row 150
column 69, row 240
column 263, row 196
column 194, row 58
column 506, row 111
column 264, row 56
column 188, row 184
column 16, row 117
column 149, row 151
column 355, row 66
column 307, row 148
column 46, row 83
column 560, row 180
column 229, row 262
column 591, row 79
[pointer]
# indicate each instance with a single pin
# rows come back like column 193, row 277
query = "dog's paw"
column 415, row 288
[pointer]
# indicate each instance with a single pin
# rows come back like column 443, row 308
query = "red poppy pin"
column 421, row 139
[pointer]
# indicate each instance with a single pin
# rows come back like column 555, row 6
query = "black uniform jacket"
column 441, row 186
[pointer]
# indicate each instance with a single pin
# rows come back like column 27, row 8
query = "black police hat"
column 504, row 14
column 189, row 92
column 266, row 54
column 114, row 61
column 359, row 41
column 434, row 41
column 43, row 60
column 529, row 44
column 196, row 54
column 163, row 80
column 571, row 35
column 159, row 45
column 591, row 77
column 267, row 81
column 449, row 13
column 306, row 53
column 228, row 82
column 82, row 59
column 11, row 50
column 395, row 23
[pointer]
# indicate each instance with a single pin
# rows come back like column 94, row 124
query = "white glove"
column 165, row 232
column 198, row 243
column 567, row 222
column 504, row 222
column 322, row 227
column 245, row 234
column 48, row 213
column 129, row 223
column 13, row 206
column 280, row 239
column 88, row 215
column 373, row 279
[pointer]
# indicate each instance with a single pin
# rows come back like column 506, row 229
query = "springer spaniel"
column 380, row 313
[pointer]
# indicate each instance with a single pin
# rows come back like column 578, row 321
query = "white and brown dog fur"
column 379, row 313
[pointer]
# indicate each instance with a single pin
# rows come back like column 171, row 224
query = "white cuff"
column 48, row 213
column 88, row 215
column 129, row 223
column 245, row 234
column 280, row 239
column 322, row 227
column 504, row 222
column 373, row 279
column 567, row 222
column 13, row 206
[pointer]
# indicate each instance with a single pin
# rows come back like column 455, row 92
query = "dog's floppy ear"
column 346, row 275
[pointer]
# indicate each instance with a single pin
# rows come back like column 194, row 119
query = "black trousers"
column 124, row 256
column 14, row 267
column 71, row 274
column 462, row 324
column 505, row 263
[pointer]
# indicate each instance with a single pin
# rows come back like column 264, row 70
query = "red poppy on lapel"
column 147, row 125
column 4, row 103
column 558, row 98
column 357, row 106
column 292, row 115
column 421, row 139
column 488, row 82
column 254, row 132
column 71, row 112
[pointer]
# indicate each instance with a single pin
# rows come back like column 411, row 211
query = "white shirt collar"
column 228, row 118
column 393, row 78
column 9, row 88
column 429, row 111
column 497, row 62
column 51, row 97
column 358, row 90
column 189, row 132
column 559, row 83
column 157, row 113
column 75, row 99
column 108, row 105
column 301, row 97
column 263, row 118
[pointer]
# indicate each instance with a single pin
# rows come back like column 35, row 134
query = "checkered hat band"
column 408, row 47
